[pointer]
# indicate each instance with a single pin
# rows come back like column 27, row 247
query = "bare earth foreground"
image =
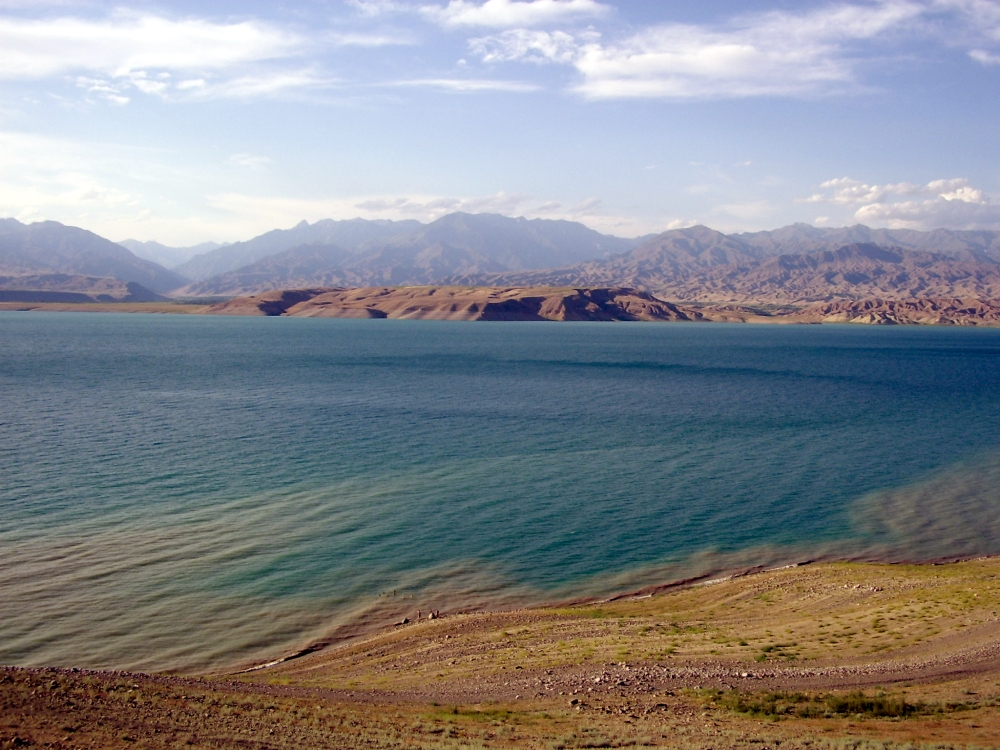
column 833, row 655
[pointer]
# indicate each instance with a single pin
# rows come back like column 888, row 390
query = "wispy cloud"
column 359, row 39
column 776, row 53
column 505, row 14
column 376, row 8
column 984, row 57
column 251, row 161
column 470, row 84
column 528, row 45
column 269, row 212
column 433, row 208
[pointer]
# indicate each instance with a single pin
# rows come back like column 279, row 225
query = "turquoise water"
column 195, row 493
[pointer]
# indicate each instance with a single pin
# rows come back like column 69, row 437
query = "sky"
column 186, row 122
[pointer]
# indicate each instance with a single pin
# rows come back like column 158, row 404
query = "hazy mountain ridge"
column 797, row 264
column 855, row 271
column 457, row 244
column 803, row 238
column 702, row 265
column 50, row 247
column 349, row 234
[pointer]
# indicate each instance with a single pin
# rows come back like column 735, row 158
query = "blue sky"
column 184, row 122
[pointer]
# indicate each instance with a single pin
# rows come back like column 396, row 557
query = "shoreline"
column 898, row 653
column 508, row 304
column 329, row 644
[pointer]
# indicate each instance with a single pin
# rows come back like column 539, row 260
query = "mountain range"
column 798, row 264
column 457, row 244
column 48, row 247
column 701, row 265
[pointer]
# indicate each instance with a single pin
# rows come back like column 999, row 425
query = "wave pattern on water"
column 194, row 493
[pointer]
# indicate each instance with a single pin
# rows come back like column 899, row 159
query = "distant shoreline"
column 598, row 304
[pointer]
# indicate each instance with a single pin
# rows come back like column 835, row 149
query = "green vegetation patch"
column 778, row 704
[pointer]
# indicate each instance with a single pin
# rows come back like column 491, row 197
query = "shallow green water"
column 197, row 492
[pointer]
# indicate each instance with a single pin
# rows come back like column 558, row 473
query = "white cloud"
column 126, row 53
column 470, row 84
column 931, row 214
column 124, row 43
column 505, row 14
column 776, row 53
column 951, row 203
column 772, row 54
column 846, row 190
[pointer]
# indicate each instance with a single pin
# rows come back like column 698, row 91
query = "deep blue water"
column 196, row 492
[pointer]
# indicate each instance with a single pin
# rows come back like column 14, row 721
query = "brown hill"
column 61, row 287
column 601, row 304
column 460, row 303
column 859, row 271
column 948, row 312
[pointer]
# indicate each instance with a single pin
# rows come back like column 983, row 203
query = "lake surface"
column 195, row 493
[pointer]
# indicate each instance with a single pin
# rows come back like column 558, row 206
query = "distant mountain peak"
column 47, row 247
